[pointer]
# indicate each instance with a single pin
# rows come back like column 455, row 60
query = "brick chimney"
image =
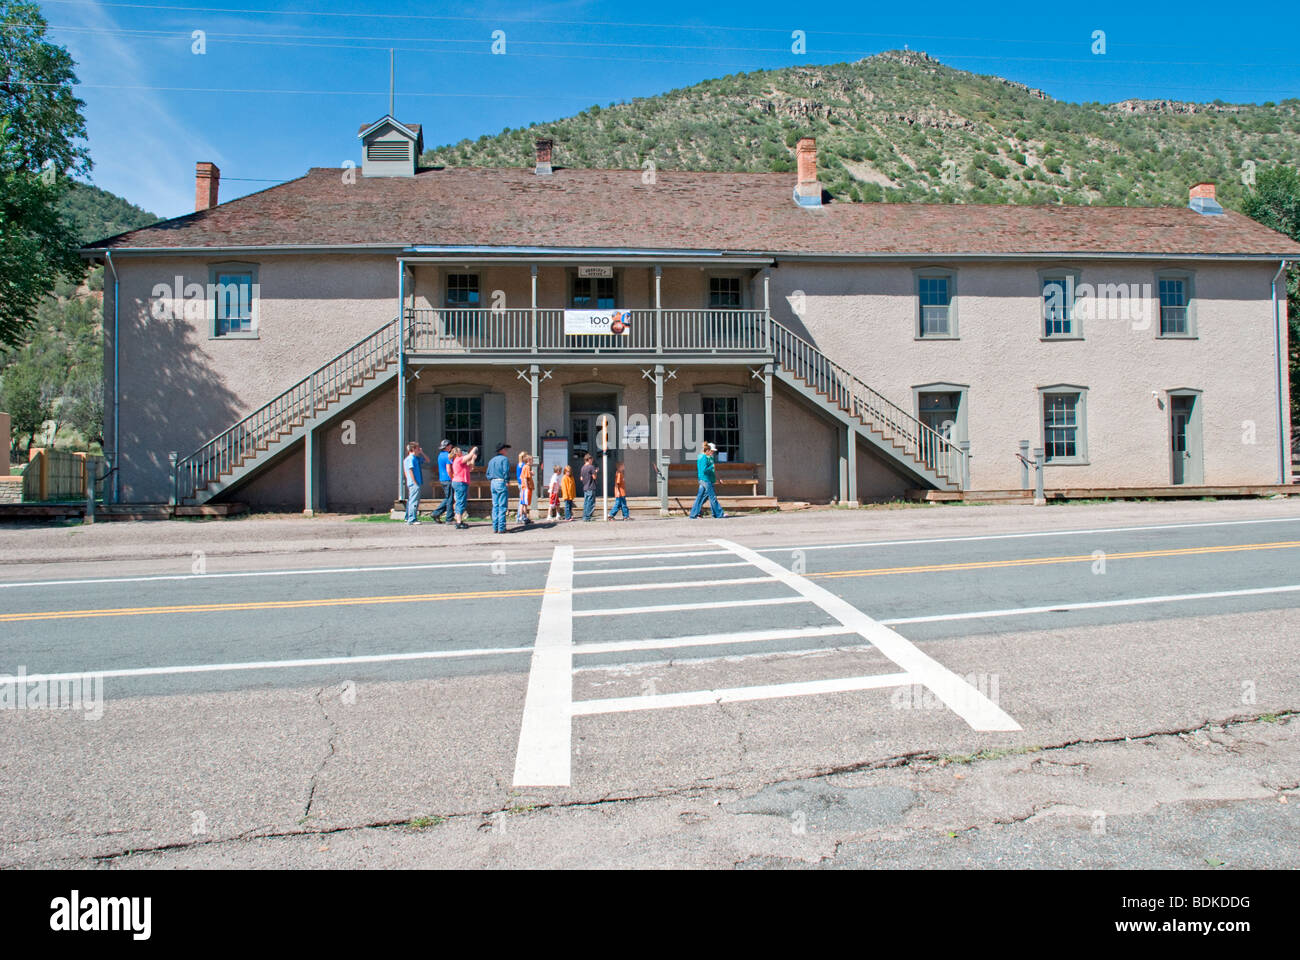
column 544, row 148
column 808, row 191
column 1201, row 198
column 207, row 183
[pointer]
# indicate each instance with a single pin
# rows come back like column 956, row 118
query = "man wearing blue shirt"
column 708, row 476
column 498, row 469
column 447, row 509
column 412, row 467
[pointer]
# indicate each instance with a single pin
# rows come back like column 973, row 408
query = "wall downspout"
column 116, row 466
column 1282, row 452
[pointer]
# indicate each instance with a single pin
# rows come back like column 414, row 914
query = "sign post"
column 604, row 464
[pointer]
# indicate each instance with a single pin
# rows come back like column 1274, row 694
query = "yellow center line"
column 539, row 591
column 266, row 605
column 1033, row 561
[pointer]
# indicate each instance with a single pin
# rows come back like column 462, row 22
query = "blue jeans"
column 412, row 501
column 706, row 490
column 568, row 509
column 588, row 504
column 500, row 504
column 446, row 509
column 460, row 491
column 620, row 503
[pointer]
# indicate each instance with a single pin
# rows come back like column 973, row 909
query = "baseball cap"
column 502, row 446
column 444, row 445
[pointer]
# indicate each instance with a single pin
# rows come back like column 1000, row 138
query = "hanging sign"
column 603, row 273
column 597, row 322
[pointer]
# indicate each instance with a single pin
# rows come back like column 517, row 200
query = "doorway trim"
column 1195, row 428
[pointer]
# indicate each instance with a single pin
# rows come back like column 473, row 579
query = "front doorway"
column 1185, row 439
column 585, row 411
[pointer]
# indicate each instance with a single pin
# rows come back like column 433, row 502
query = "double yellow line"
column 538, row 591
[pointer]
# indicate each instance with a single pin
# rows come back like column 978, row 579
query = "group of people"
column 455, row 466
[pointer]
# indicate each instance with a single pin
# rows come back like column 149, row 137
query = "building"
column 832, row 351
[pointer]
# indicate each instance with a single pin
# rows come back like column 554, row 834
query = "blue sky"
column 282, row 88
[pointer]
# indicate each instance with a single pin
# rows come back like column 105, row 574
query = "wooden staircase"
column 921, row 452
column 273, row 428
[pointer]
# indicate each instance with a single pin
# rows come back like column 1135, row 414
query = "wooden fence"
column 60, row 475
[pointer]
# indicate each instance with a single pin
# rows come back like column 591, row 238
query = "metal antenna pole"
column 391, row 85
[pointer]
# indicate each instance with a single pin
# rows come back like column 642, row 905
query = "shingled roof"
column 680, row 211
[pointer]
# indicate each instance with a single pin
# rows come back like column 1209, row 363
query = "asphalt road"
column 743, row 669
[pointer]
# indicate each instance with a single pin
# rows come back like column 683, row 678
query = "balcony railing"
column 484, row 330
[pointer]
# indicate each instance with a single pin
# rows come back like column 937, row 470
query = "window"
column 463, row 421
column 233, row 297
column 462, row 290
column 1058, row 306
column 722, row 424
column 936, row 315
column 1064, row 426
column 1175, row 317
column 593, row 293
column 724, row 292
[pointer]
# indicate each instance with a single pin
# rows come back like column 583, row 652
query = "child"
column 568, row 492
column 620, row 495
column 525, row 487
column 553, row 494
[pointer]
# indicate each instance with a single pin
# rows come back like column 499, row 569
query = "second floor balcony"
column 613, row 332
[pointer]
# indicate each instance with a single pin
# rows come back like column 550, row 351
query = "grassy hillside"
column 902, row 126
column 97, row 214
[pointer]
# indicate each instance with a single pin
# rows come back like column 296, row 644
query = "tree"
column 41, row 141
column 1275, row 202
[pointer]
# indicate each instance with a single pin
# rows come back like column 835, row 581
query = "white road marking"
column 672, row 585
column 1021, row 536
column 629, row 666
column 647, row 546
column 775, row 691
column 1094, row 605
column 674, row 607
column 651, row 568
column 277, row 664
column 545, row 736
column 708, row 639
column 654, row 556
column 960, row 697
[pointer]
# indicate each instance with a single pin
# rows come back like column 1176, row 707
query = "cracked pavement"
column 1162, row 738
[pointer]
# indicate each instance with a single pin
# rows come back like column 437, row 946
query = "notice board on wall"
column 555, row 453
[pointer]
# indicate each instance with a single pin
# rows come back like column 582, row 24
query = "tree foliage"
column 1275, row 202
column 41, row 141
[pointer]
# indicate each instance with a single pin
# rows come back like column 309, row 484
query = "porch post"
column 535, row 441
column 767, row 317
column 533, row 271
column 401, row 371
column 661, row 466
column 770, row 485
column 311, row 473
column 659, row 324
column 851, row 444
column 843, row 471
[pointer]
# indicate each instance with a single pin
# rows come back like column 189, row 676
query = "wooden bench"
column 734, row 478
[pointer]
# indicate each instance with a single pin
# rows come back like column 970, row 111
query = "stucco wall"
column 180, row 386
column 865, row 318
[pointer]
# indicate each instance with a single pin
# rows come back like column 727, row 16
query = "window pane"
column 1173, row 306
column 724, row 291
column 1060, row 425
column 234, row 302
column 722, row 424
column 463, row 421
column 935, row 302
column 1058, row 311
column 462, row 290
